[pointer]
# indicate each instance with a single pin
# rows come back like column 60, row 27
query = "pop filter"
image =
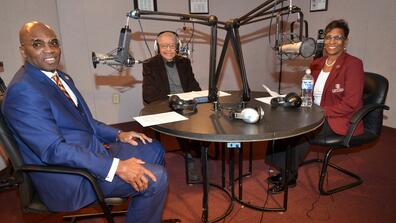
column 305, row 48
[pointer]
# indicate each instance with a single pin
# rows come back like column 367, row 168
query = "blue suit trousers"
column 146, row 206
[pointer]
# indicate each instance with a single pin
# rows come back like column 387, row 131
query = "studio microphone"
column 319, row 44
column 184, row 51
column 305, row 48
column 111, row 60
column 120, row 57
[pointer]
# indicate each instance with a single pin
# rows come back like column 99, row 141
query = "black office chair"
column 375, row 91
column 29, row 200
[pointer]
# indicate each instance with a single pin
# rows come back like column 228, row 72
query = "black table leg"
column 205, row 183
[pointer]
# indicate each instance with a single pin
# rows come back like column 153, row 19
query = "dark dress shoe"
column 279, row 187
column 278, row 178
column 174, row 220
column 275, row 179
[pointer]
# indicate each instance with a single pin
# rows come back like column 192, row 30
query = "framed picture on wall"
column 318, row 5
column 199, row 6
column 149, row 5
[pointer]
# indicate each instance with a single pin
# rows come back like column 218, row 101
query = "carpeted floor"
column 372, row 202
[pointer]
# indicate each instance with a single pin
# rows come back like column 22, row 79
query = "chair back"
column 27, row 193
column 375, row 92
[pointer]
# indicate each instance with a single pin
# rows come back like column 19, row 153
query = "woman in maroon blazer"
column 338, row 89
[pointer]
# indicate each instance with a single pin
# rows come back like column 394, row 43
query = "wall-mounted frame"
column 318, row 5
column 199, row 6
column 149, row 5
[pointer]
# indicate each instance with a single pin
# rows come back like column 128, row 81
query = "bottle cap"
column 308, row 71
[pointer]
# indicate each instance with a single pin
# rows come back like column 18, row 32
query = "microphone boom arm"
column 232, row 28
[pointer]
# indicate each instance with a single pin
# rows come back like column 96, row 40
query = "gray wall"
column 93, row 25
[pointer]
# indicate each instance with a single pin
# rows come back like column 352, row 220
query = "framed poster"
column 199, row 6
column 148, row 5
column 318, row 5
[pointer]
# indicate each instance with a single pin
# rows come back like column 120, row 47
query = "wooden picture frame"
column 198, row 6
column 148, row 5
column 318, row 5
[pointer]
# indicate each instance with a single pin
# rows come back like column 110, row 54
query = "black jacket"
column 155, row 79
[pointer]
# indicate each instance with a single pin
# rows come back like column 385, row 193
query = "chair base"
column 78, row 216
column 323, row 172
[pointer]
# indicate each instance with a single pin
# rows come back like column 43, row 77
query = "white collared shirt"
column 69, row 91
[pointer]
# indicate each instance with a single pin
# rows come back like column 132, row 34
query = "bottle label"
column 307, row 84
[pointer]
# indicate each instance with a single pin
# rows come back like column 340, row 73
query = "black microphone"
column 319, row 44
column 120, row 57
column 123, row 46
column 3, row 87
column 184, row 51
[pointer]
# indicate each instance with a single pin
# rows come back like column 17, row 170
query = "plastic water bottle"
column 307, row 84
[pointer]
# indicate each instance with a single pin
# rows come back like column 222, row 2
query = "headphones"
column 178, row 41
column 291, row 100
column 248, row 115
column 182, row 106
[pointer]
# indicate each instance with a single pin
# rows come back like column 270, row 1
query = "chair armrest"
column 66, row 170
column 358, row 116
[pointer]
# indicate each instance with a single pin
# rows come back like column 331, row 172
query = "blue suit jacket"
column 49, row 130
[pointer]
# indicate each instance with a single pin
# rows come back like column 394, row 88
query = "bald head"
column 30, row 27
column 39, row 45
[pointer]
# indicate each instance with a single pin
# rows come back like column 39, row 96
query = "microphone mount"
column 118, row 58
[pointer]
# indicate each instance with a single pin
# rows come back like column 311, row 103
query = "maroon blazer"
column 343, row 91
column 155, row 79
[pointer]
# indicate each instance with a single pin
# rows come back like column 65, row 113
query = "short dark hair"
column 341, row 24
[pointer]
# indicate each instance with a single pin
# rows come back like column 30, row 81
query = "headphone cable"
column 144, row 37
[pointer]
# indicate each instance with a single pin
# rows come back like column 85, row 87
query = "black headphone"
column 291, row 100
column 178, row 41
column 248, row 115
column 182, row 106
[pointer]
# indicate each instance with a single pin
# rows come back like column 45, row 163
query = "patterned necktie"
column 58, row 82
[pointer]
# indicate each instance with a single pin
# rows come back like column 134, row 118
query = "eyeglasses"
column 335, row 38
column 40, row 44
column 168, row 46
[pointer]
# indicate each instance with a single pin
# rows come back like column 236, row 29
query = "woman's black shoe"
column 275, row 179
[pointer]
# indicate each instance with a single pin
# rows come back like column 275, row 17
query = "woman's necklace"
column 329, row 64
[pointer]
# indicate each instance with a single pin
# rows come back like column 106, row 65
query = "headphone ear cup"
column 293, row 100
column 249, row 115
column 290, row 100
column 175, row 103
column 181, row 106
column 276, row 101
column 178, row 45
column 260, row 112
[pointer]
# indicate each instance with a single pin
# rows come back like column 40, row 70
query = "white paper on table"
column 160, row 118
column 194, row 94
column 273, row 94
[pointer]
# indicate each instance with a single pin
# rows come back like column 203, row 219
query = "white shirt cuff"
column 112, row 170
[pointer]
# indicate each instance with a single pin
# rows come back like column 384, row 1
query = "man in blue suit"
column 52, row 125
